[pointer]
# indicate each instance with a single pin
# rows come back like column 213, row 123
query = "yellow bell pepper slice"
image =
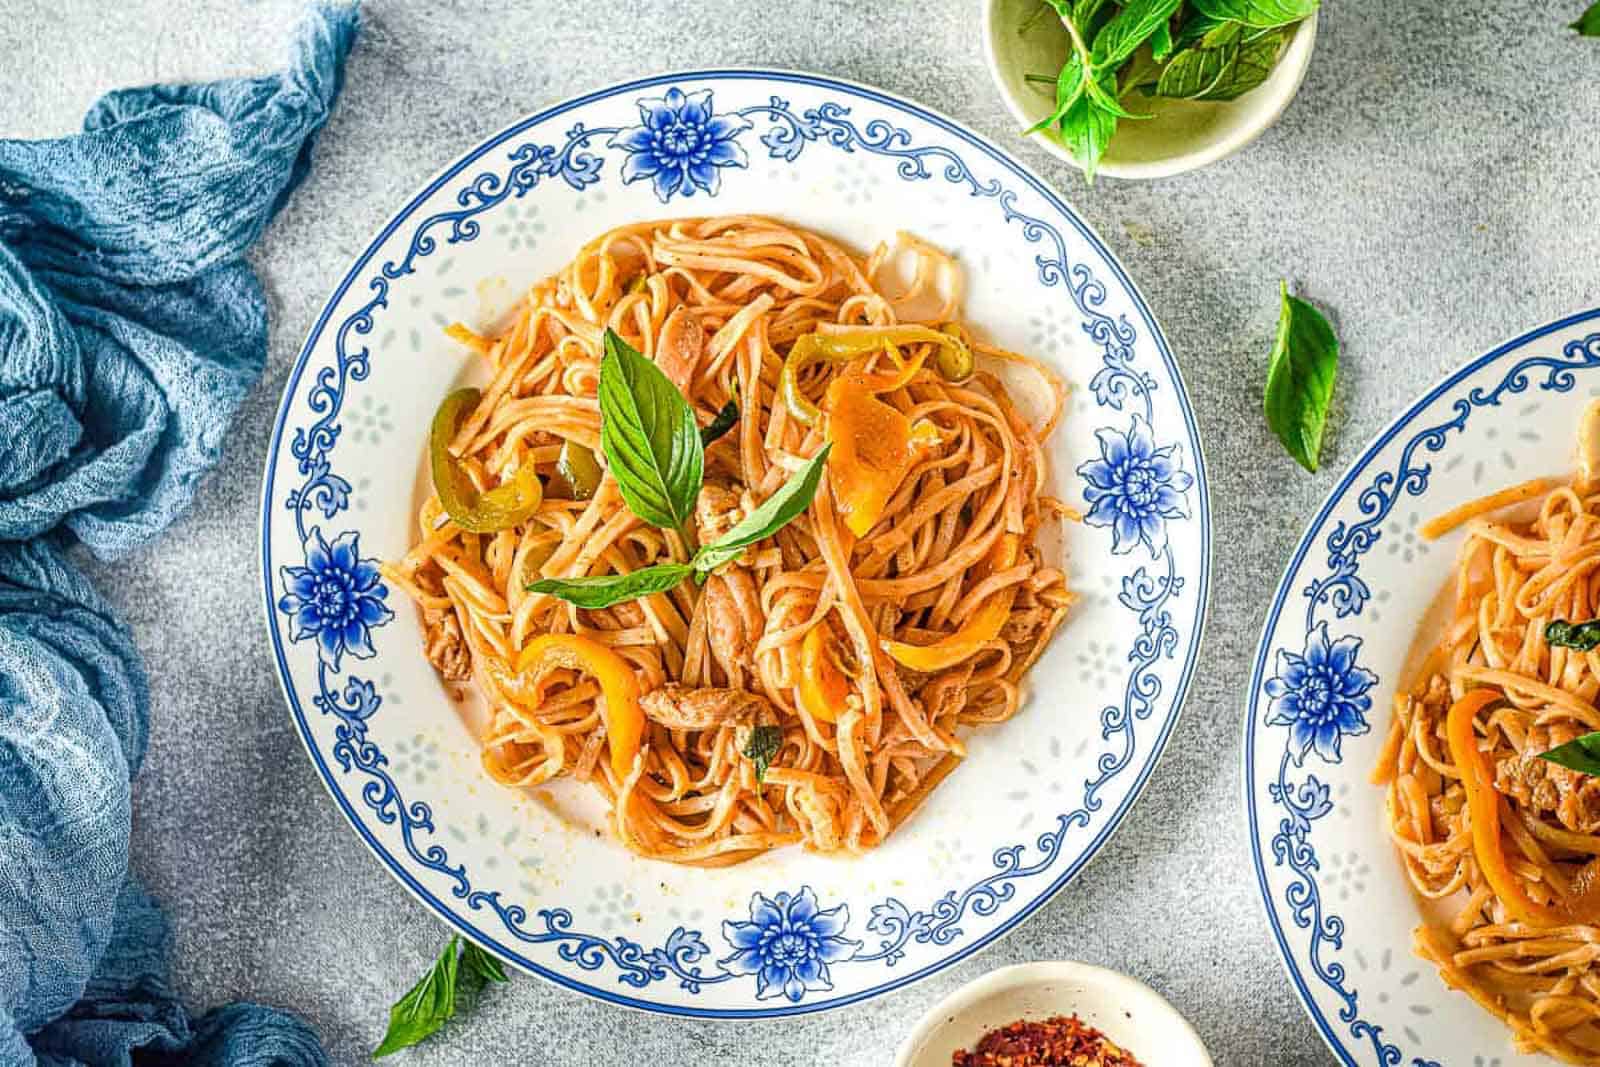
column 823, row 689
column 981, row 627
column 618, row 685
column 874, row 447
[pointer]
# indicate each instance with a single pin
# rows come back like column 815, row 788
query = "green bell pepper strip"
column 500, row 508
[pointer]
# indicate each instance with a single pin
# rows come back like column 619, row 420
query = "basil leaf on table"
column 1130, row 28
column 764, row 743
column 1262, row 14
column 428, row 1006
column 726, row 420
column 1305, row 361
column 1581, row 754
column 775, row 512
column 480, row 963
column 1588, row 24
column 1583, row 636
column 604, row 590
column 453, row 980
column 650, row 437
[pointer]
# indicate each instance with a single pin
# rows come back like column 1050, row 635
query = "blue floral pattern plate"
column 534, row 877
column 1336, row 640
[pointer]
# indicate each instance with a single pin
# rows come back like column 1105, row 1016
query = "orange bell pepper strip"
column 874, row 447
column 981, row 627
column 1485, row 808
column 823, row 690
column 618, row 685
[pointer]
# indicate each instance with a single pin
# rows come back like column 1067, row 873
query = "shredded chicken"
column 718, row 509
column 1548, row 787
column 681, row 707
column 444, row 646
column 946, row 694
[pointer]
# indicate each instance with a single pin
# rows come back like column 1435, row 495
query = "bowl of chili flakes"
column 1053, row 1013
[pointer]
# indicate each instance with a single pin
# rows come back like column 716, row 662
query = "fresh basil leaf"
column 1193, row 27
column 1305, row 361
column 428, row 1006
column 1085, row 129
column 650, row 438
column 1581, row 754
column 1225, row 72
column 726, row 420
column 1128, row 29
column 1161, row 42
column 775, row 512
column 1069, row 87
column 1583, row 636
column 604, row 590
column 1588, row 24
column 764, row 743
column 1263, row 14
column 479, row 962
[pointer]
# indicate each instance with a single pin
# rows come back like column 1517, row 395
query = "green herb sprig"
column 656, row 454
column 1581, row 754
column 1181, row 49
column 762, row 748
column 455, row 979
column 1588, row 23
column 1583, row 636
column 1300, row 377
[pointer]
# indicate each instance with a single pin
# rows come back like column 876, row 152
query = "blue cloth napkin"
column 130, row 330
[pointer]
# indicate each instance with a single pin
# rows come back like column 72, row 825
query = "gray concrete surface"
column 1434, row 186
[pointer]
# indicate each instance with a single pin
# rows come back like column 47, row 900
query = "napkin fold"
column 130, row 330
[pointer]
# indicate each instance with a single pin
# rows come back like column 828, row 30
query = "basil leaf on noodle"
column 764, row 743
column 726, row 420
column 775, row 512
column 1581, row 754
column 1582, row 636
column 1305, row 361
column 604, row 590
column 1588, row 24
column 649, row 435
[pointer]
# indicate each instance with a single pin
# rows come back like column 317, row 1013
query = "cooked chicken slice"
column 681, row 707
column 1549, row 788
column 444, row 646
column 718, row 509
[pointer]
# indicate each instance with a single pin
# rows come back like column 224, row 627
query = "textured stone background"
column 1434, row 186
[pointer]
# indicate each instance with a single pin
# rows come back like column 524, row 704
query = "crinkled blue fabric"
column 130, row 330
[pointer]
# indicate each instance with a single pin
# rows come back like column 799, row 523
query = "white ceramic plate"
column 538, row 882
column 1343, row 620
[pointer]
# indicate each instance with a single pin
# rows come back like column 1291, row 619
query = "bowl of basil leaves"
column 1147, row 88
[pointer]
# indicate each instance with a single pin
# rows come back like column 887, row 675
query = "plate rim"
column 1446, row 382
column 996, row 154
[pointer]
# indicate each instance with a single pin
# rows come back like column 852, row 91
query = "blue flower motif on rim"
column 1321, row 694
column 336, row 598
column 788, row 944
column 682, row 144
column 1135, row 487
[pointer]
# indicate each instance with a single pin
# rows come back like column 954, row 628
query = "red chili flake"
column 1055, row 1042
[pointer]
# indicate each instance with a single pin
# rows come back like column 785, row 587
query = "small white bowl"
column 1126, row 1010
column 1184, row 134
